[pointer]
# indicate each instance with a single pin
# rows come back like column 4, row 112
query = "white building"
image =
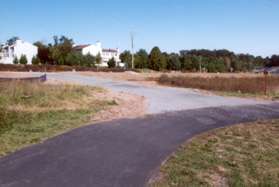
column 89, row 49
column 9, row 52
column 106, row 54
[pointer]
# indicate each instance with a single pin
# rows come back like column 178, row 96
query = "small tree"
column 36, row 61
column 15, row 61
column 111, row 63
column 98, row 59
column 141, row 59
column 157, row 61
column 23, row 59
column 173, row 62
column 88, row 60
column 126, row 57
column 74, row 59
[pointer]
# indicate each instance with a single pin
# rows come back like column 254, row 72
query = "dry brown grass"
column 33, row 112
column 243, row 84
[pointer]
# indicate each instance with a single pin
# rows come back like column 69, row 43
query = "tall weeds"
column 227, row 84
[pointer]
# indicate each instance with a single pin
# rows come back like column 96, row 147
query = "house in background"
column 106, row 54
column 91, row 49
column 16, row 49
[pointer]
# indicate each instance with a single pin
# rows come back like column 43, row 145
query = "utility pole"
column 132, row 49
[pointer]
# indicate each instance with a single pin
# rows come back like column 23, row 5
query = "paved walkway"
column 120, row 153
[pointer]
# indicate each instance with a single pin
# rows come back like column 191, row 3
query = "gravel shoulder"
column 159, row 99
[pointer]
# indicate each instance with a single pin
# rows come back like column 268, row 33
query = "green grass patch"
column 242, row 155
column 32, row 112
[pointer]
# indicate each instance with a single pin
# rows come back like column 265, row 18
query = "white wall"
column 21, row 48
column 107, row 55
column 93, row 49
column 97, row 49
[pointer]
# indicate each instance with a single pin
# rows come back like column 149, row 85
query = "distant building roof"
column 80, row 47
column 110, row 50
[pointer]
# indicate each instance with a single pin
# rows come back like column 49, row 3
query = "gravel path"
column 160, row 99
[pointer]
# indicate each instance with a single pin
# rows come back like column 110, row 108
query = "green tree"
column 195, row 63
column 237, row 65
column 78, row 59
column 15, row 61
column 36, row 61
column 220, row 66
column 23, row 59
column 260, row 62
column 98, row 59
column 214, row 60
column 163, row 61
column 187, row 63
column 173, row 62
column 141, row 59
column 126, row 57
column 74, row 59
column 216, row 65
column 156, row 60
column 44, row 54
column 88, row 60
column 112, row 63
column 61, row 48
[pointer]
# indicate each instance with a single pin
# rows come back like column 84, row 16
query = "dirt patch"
column 139, row 78
column 128, row 106
column 56, row 82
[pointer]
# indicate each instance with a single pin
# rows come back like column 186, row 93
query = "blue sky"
column 248, row 26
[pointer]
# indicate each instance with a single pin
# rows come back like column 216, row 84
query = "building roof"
column 110, row 50
column 80, row 47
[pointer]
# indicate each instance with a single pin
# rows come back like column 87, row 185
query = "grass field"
column 230, row 85
column 242, row 155
column 33, row 112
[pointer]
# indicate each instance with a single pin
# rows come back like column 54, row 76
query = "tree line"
column 61, row 52
column 197, row 60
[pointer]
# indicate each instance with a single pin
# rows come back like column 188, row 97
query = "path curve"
column 124, row 152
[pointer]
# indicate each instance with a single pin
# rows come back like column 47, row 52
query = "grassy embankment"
column 243, row 155
column 244, row 86
column 33, row 112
